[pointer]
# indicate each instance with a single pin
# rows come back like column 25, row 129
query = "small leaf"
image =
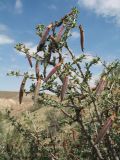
column 57, row 66
column 21, row 92
column 64, row 87
column 104, row 129
column 81, row 37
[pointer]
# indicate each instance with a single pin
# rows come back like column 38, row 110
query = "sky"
column 18, row 19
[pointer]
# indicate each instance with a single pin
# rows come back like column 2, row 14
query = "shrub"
column 92, row 113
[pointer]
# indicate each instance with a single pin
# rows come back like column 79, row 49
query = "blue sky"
column 18, row 18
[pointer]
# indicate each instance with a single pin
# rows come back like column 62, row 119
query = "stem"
column 95, row 148
column 73, row 58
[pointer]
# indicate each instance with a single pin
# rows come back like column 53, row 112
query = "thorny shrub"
column 93, row 113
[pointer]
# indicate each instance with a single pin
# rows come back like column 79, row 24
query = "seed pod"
column 104, row 129
column 58, row 24
column 81, row 37
column 54, row 41
column 37, row 71
column 64, row 87
column 74, row 136
column 60, row 34
column 101, row 85
column 29, row 60
column 21, row 92
column 93, row 89
column 82, row 96
column 44, row 37
column 57, row 66
column 36, row 93
column 65, row 144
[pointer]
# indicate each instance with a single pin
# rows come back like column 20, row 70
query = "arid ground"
column 10, row 100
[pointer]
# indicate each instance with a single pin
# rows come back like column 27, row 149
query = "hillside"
column 10, row 100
